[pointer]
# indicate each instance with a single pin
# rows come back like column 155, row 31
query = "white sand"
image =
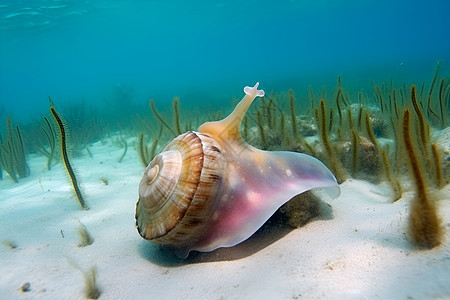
column 361, row 253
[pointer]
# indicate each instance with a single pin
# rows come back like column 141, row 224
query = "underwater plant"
column 85, row 237
column 73, row 178
column 413, row 149
column 335, row 164
column 91, row 290
column 125, row 146
column 161, row 119
column 9, row 244
column 104, row 180
column 424, row 224
column 49, row 133
column 361, row 139
column 146, row 153
column 87, row 125
column 13, row 158
column 367, row 147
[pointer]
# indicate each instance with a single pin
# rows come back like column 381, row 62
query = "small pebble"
column 26, row 287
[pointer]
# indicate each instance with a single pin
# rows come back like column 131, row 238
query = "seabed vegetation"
column 394, row 134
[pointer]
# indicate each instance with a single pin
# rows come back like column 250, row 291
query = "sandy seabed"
column 362, row 252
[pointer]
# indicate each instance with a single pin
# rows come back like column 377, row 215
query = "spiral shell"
column 178, row 190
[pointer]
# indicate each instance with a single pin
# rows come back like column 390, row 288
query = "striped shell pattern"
column 178, row 190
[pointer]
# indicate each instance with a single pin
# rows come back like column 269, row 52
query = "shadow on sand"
column 273, row 230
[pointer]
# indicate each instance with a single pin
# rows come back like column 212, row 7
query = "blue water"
column 199, row 50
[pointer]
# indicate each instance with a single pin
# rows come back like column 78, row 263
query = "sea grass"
column 378, row 97
column 85, row 238
column 424, row 224
column 311, row 95
column 65, row 157
column 160, row 118
column 142, row 151
column 152, row 150
column 91, row 289
column 442, row 105
column 339, row 106
column 334, row 163
column 49, row 133
column 433, row 82
column 330, row 124
column 7, row 160
column 261, row 129
column 20, row 155
column 370, row 132
column 293, row 117
column 360, row 114
column 395, row 184
column 245, row 130
column 350, row 118
column 437, row 165
column 284, row 137
column 13, row 157
column 176, row 113
column 125, row 145
column 262, row 109
column 397, row 142
column 394, row 98
column 422, row 122
column 270, row 121
column 355, row 150
column 323, row 128
column 145, row 153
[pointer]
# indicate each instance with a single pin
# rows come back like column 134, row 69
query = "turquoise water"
column 101, row 61
column 208, row 50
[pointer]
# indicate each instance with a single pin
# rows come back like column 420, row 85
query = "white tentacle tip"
column 253, row 91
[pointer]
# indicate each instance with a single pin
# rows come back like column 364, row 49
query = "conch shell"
column 210, row 189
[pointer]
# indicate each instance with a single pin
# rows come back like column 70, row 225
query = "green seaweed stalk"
column 293, row 118
column 424, row 224
column 160, row 118
column 13, row 158
column 65, row 157
column 51, row 139
column 335, row 165
column 125, row 145
column 145, row 153
column 261, row 129
column 176, row 118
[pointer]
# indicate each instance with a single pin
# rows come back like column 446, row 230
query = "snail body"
column 209, row 189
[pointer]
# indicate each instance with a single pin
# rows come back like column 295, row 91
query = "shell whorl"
column 178, row 190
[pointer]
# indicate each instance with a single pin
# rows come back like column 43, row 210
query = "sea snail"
column 209, row 189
